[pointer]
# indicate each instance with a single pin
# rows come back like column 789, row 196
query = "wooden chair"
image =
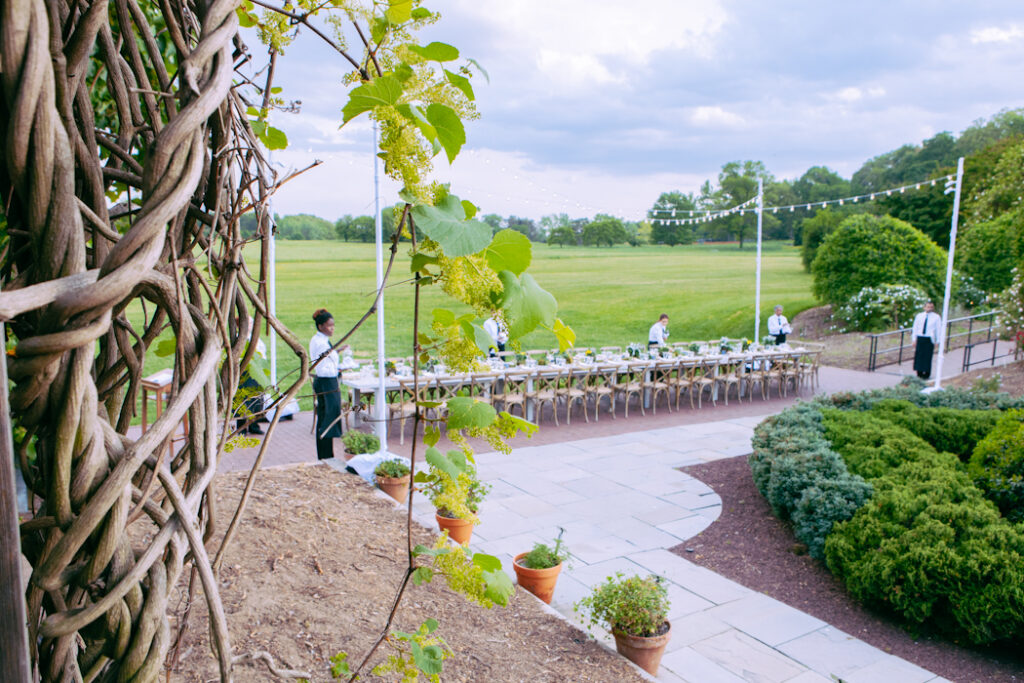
column 510, row 391
column 572, row 389
column 544, row 390
column 732, row 372
column 402, row 402
column 686, row 369
column 662, row 379
column 600, row 383
column 758, row 374
column 705, row 377
column 631, row 383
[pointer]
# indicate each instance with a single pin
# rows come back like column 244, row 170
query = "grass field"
column 608, row 296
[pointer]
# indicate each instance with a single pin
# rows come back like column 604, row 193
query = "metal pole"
column 757, row 290
column 949, row 268
column 15, row 665
column 272, row 296
column 382, row 403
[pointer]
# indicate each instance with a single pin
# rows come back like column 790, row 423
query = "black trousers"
column 780, row 338
column 328, row 408
column 923, row 349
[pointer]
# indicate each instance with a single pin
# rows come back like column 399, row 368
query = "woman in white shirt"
column 325, row 385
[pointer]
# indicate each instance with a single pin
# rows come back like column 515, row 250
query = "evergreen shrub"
column 946, row 429
column 997, row 465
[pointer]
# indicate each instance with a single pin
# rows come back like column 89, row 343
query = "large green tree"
column 668, row 216
column 604, row 230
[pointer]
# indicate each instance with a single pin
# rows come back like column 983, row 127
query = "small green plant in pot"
column 635, row 610
column 393, row 479
column 360, row 442
column 537, row 570
column 452, row 485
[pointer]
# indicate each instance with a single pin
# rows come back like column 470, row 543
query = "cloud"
column 853, row 94
column 997, row 34
column 575, row 71
column 715, row 117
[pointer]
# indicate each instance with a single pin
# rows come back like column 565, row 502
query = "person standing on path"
column 778, row 326
column 658, row 335
column 325, row 385
column 926, row 335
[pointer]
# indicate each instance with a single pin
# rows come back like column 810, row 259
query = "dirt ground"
column 751, row 546
column 849, row 350
column 314, row 569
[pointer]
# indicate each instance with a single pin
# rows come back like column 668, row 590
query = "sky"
column 599, row 107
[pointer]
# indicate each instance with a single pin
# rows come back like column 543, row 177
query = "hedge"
column 997, row 465
column 946, row 429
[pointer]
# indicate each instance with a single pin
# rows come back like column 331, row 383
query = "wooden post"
column 14, row 659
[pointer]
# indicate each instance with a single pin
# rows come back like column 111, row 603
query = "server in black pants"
column 325, row 385
column 926, row 335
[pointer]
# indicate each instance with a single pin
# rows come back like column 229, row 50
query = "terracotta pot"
column 540, row 582
column 459, row 530
column 396, row 487
column 644, row 652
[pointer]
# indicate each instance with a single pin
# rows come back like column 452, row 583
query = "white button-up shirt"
column 777, row 324
column 934, row 323
column 658, row 333
column 318, row 346
column 496, row 331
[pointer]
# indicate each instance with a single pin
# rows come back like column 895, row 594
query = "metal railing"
column 969, row 351
column 969, row 327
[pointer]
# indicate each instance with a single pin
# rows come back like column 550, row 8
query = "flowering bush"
column 1011, row 305
column 883, row 307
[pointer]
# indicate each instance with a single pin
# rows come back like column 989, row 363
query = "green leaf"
column 499, row 587
column 166, row 347
column 519, row 423
column 446, row 225
column 510, row 250
column 416, row 115
column 275, row 90
column 436, row 52
column 274, row 138
column 526, row 304
column 443, row 316
column 462, row 83
column 429, row 659
column 450, row 131
column 429, row 626
column 431, row 435
column 470, row 208
column 457, row 457
column 421, row 478
column 439, row 460
column 245, row 20
column 477, row 335
column 422, row 575
column 339, row 665
column 482, row 70
column 488, row 563
column 383, row 91
column 259, row 128
column 421, row 261
column 468, row 413
column 421, row 13
column 565, row 335
column 378, row 29
column 403, row 72
column 399, row 12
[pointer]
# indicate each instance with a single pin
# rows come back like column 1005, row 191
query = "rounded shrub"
column 867, row 251
column 997, row 465
column 988, row 251
column 870, row 445
column 824, row 503
column 884, row 307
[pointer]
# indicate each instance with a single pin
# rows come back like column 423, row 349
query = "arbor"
column 868, row 251
column 667, row 216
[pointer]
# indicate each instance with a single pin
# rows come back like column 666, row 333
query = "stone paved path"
column 622, row 504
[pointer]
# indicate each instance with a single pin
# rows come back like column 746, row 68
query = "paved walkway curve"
column 623, row 503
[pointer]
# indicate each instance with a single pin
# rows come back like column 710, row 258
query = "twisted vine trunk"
column 129, row 99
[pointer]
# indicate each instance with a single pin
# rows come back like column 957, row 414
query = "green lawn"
column 608, row 296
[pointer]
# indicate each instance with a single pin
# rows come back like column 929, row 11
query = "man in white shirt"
column 498, row 333
column 659, row 332
column 926, row 335
column 778, row 326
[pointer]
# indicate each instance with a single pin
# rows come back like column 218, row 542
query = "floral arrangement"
column 634, row 350
column 694, row 348
column 746, row 344
column 724, row 345
column 767, row 340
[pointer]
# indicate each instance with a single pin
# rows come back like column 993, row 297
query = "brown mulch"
column 749, row 545
column 314, row 568
column 1010, row 378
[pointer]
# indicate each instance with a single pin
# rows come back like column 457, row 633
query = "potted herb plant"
column 537, row 570
column 452, row 485
column 357, row 442
column 393, row 479
column 635, row 610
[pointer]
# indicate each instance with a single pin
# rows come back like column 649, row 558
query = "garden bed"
column 313, row 571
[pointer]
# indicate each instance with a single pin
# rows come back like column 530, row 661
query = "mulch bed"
column 749, row 545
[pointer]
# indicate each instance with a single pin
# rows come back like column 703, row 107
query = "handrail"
column 905, row 332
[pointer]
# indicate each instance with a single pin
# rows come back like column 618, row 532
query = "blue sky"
column 595, row 106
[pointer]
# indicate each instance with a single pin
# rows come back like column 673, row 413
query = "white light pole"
column 757, row 289
column 382, row 404
column 949, row 271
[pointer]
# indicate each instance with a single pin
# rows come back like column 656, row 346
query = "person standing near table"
column 778, row 326
column 325, row 385
column 926, row 335
column 498, row 333
column 658, row 335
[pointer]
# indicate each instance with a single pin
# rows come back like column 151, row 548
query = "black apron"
column 328, row 407
column 923, row 350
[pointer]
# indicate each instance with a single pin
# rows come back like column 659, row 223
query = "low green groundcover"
column 877, row 485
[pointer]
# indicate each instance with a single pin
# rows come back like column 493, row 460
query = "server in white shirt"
column 325, row 385
column 659, row 332
column 778, row 326
column 497, row 331
column 926, row 335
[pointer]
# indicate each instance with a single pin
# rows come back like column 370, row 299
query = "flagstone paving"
column 623, row 503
